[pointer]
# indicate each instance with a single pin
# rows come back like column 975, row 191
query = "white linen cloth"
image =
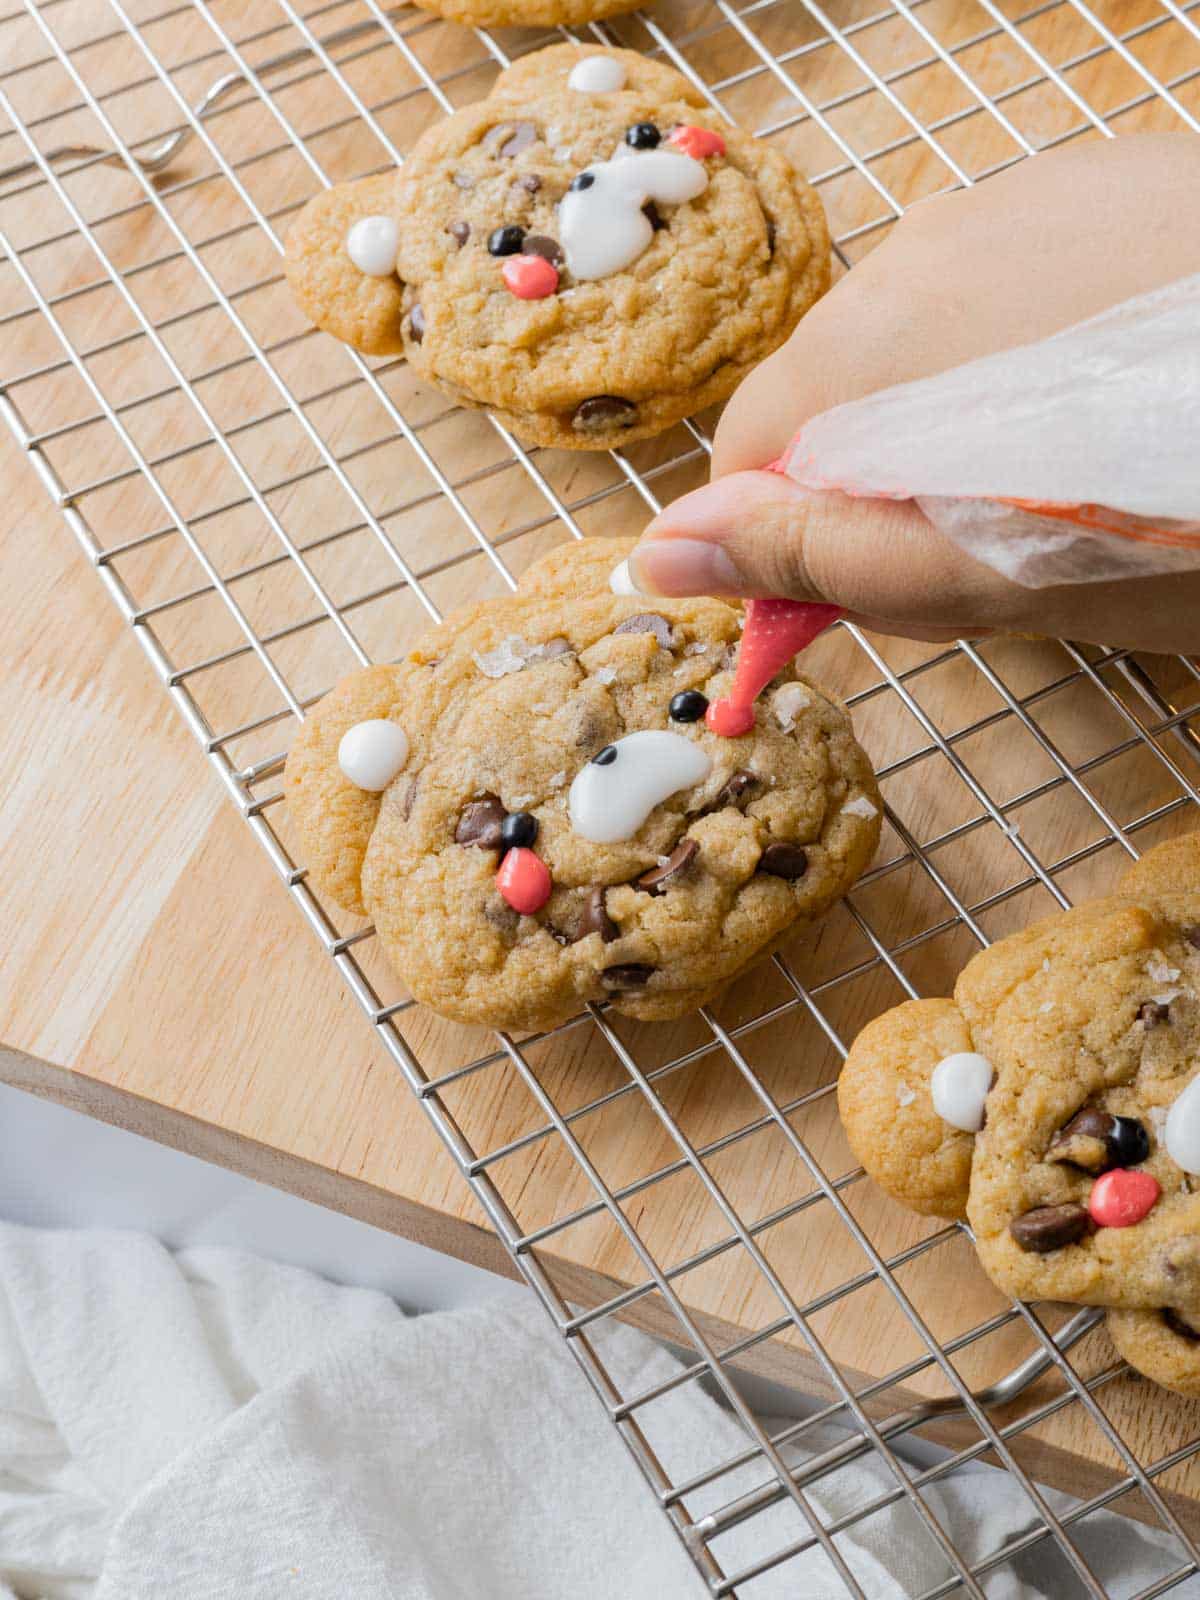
column 210, row 1424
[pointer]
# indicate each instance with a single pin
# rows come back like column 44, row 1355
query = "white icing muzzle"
column 618, row 789
column 1181, row 1134
column 601, row 225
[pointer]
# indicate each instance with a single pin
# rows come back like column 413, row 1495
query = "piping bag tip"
column 775, row 632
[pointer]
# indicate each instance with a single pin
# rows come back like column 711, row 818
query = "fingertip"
column 677, row 566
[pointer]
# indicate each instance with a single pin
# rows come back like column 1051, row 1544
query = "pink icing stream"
column 776, row 630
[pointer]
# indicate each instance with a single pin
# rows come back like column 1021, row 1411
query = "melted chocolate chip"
column 737, row 786
column 657, row 879
column 595, row 919
column 630, row 975
column 1152, row 1012
column 648, row 622
column 1047, row 1228
column 1178, row 1323
column 480, row 823
column 511, row 138
column 1192, row 935
column 1084, row 1141
column 539, row 244
column 416, row 324
column 460, row 232
column 654, row 216
column 602, row 412
column 606, row 757
column 783, row 860
column 1095, row 1140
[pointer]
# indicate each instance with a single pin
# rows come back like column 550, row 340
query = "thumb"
column 758, row 533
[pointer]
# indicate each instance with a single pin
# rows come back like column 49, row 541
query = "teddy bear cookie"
column 534, row 813
column 588, row 253
column 1055, row 1103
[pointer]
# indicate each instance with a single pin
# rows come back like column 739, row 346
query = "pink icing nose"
column 696, row 142
column 530, row 277
column 524, row 881
column 729, row 719
column 1122, row 1197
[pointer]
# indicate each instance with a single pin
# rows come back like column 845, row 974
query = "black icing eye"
column 688, row 706
column 585, row 180
column 1128, row 1143
column 506, row 241
column 642, row 136
column 518, row 830
column 605, row 757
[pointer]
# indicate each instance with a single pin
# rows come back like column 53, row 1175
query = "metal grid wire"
column 267, row 510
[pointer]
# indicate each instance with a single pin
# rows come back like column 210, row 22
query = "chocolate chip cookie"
column 589, row 253
column 1055, row 1103
column 535, row 815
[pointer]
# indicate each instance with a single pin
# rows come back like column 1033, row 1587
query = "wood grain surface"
column 156, row 974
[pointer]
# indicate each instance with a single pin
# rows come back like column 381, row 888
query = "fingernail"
column 620, row 581
column 684, row 566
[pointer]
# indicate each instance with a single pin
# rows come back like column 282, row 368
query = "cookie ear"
column 334, row 817
column 361, row 310
column 887, row 1108
column 582, row 566
column 546, row 72
column 1171, row 868
column 1161, row 1345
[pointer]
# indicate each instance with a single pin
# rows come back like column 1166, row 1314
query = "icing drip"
column 959, row 1087
column 1181, row 1135
column 602, row 226
column 614, row 794
column 597, row 75
column 372, row 244
column 372, row 753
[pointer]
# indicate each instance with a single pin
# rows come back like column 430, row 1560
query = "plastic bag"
column 1066, row 461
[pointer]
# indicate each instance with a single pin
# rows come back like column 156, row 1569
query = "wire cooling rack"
column 267, row 510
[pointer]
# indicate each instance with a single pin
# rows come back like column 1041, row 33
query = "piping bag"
column 775, row 632
column 1069, row 460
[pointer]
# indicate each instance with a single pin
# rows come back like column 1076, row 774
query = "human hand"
column 1033, row 250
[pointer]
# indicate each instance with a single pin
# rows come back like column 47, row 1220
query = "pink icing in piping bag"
column 775, row 631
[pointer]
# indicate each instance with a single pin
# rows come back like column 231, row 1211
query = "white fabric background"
column 212, row 1424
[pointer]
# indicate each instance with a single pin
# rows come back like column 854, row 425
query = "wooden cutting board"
column 155, row 974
